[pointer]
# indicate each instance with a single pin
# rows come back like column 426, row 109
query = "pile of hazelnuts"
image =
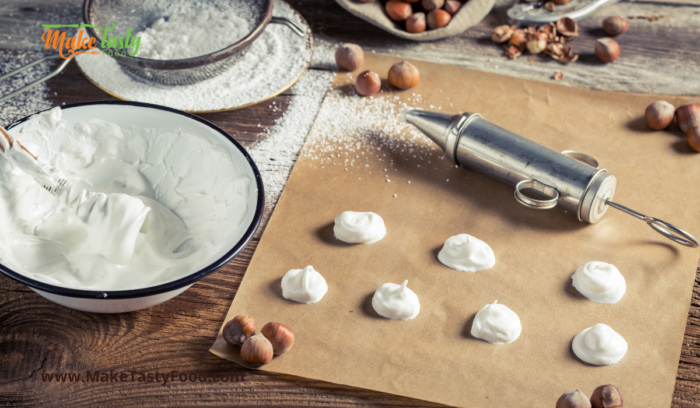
column 660, row 114
column 419, row 14
column 402, row 75
column 258, row 349
column 605, row 396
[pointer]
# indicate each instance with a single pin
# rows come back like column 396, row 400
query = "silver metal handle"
column 540, row 187
column 38, row 81
column 664, row 228
column 292, row 26
column 583, row 158
column 577, row 9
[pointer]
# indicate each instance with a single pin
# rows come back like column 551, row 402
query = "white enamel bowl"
column 126, row 114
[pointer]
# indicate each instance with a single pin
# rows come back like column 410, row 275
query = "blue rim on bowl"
column 175, row 284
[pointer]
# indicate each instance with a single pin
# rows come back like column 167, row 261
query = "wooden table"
column 659, row 55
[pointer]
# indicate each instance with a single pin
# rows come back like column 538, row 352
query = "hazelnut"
column 694, row 138
column 607, row 396
column 239, row 329
column 404, row 75
column 452, row 6
column 536, row 46
column 659, row 115
column 438, row 19
column 416, row 23
column 349, row 56
column 368, row 83
column 502, row 34
column 280, row 336
column 573, row 399
column 257, row 350
column 519, row 39
column 615, row 25
column 398, row 10
column 429, row 5
column 607, row 49
column 688, row 116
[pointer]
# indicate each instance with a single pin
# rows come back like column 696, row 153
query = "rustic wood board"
column 38, row 337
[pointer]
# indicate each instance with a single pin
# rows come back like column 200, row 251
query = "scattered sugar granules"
column 276, row 155
column 349, row 129
column 191, row 35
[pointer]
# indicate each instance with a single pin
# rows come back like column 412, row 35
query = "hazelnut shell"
column 349, row 56
column 368, row 83
column 452, row 7
column 607, row 49
column 404, row 75
column 659, row 115
column 694, row 138
column 398, row 10
column 573, row 399
column 416, row 23
column 257, row 350
column 615, row 25
column 607, row 396
column 280, row 336
column 430, row 5
column 237, row 330
column 688, row 116
column 438, row 19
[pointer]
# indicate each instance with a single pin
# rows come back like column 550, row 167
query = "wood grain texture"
column 38, row 337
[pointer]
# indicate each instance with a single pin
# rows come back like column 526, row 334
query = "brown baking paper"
column 433, row 357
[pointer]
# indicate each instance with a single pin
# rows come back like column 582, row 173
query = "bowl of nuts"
column 420, row 20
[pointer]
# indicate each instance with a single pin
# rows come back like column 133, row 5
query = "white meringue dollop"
column 599, row 345
column 600, row 282
column 466, row 253
column 396, row 302
column 304, row 285
column 359, row 227
column 496, row 324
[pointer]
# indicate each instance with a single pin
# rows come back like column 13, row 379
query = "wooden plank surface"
column 38, row 337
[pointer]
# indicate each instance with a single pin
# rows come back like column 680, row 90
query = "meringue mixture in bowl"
column 192, row 192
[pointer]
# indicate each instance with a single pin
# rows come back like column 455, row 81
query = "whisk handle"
column 38, row 81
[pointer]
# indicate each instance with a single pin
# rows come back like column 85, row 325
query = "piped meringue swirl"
column 396, row 302
column 359, row 227
column 599, row 345
column 304, row 285
column 496, row 324
column 600, row 282
column 466, row 253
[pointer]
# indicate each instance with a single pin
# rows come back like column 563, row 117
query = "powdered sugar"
column 28, row 102
column 191, row 35
column 349, row 129
column 275, row 60
column 276, row 155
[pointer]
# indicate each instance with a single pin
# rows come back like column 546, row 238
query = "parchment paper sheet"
column 433, row 357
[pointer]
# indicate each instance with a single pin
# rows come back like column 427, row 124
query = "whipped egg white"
column 179, row 197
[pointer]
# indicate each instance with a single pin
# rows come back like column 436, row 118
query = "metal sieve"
column 141, row 14
column 137, row 15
